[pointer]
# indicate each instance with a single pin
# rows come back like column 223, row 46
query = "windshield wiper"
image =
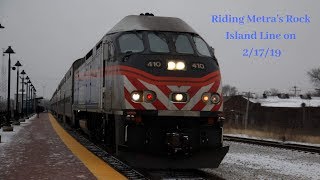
column 162, row 36
column 138, row 34
column 128, row 54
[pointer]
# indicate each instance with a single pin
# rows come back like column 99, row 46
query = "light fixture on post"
column 17, row 112
column 31, row 98
column 27, row 95
column 34, row 99
column 22, row 84
column 7, row 126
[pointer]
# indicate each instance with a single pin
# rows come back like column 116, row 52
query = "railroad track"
column 284, row 145
column 117, row 164
column 100, row 152
column 194, row 174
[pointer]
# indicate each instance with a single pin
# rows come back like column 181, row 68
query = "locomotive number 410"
column 158, row 64
column 197, row 66
column 154, row 64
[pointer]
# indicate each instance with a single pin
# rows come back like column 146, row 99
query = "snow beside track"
column 245, row 161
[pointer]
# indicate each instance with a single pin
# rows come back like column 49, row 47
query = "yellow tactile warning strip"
column 99, row 168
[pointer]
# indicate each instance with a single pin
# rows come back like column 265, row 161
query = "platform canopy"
column 151, row 23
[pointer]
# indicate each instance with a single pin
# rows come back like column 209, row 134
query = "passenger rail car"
column 150, row 89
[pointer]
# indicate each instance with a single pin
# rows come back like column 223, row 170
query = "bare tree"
column 274, row 92
column 314, row 75
column 228, row 90
column 233, row 91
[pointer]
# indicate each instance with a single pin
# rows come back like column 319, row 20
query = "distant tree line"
column 228, row 90
column 314, row 75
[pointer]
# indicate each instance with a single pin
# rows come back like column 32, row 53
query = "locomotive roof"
column 151, row 23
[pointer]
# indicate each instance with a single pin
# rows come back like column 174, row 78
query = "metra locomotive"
column 151, row 91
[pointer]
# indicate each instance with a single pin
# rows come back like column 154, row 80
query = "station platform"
column 39, row 148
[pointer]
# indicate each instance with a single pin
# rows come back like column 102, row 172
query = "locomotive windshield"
column 163, row 42
column 158, row 42
column 201, row 46
column 182, row 44
column 131, row 42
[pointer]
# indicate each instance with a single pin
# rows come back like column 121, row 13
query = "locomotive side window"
column 131, row 42
column 201, row 46
column 111, row 50
column 158, row 42
column 106, row 51
column 182, row 44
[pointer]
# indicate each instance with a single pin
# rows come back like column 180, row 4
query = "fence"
column 282, row 122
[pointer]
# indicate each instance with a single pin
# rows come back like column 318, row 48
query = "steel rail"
column 284, row 145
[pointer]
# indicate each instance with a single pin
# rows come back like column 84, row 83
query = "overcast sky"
column 48, row 35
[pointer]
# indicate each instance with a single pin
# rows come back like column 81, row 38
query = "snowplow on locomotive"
column 151, row 90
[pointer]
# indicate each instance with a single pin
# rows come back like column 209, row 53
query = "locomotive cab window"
column 108, row 52
column 131, row 42
column 182, row 44
column 111, row 52
column 158, row 42
column 201, row 46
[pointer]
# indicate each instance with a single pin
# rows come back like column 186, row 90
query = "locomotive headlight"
column 135, row 96
column 205, row 97
column 215, row 98
column 178, row 97
column 180, row 65
column 171, row 65
column 176, row 65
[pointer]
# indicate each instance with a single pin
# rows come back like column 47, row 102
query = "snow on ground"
column 35, row 151
column 274, row 101
column 6, row 137
column 245, row 161
column 276, row 164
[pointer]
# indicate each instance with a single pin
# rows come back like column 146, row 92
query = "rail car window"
column 158, row 42
column 131, row 42
column 182, row 44
column 201, row 46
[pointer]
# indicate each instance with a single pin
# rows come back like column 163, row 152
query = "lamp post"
column 8, row 126
column 17, row 102
column 27, row 95
column 34, row 99
column 248, row 94
column 22, row 84
column 31, row 97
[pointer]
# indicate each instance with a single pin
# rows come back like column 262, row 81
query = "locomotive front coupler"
column 178, row 144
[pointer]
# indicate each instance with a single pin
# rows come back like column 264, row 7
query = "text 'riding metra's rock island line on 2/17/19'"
column 236, row 35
